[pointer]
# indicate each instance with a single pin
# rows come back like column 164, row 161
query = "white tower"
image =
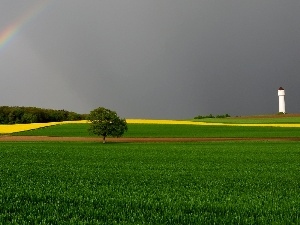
column 281, row 95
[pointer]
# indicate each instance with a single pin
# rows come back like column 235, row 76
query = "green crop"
column 154, row 183
column 253, row 120
column 61, row 130
column 170, row 130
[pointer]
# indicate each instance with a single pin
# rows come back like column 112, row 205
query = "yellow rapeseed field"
column 8, row 129
column 149, row 121
column 152, row 121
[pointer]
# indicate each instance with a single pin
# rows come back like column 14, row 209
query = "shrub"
column 211, row 116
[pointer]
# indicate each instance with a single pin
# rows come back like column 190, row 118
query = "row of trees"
column 16, row 114
column 212, row 116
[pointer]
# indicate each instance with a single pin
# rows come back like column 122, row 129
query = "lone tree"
column 105, row 122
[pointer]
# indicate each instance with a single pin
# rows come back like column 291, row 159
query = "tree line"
column 212, row 116
column 22, row 115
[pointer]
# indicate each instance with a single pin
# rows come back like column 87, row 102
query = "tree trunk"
column 103, row 139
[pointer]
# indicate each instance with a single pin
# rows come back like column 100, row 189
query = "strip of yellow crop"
column 8, row 129
column 76, row 121
column 265, row 125
column 149, row 121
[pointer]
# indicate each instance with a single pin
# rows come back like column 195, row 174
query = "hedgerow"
column 23, row 115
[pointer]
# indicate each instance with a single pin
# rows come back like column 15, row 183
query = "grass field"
column 153, row 183
column 170, row 130
column 249, row 182
column 252, row 120
column 283, row 121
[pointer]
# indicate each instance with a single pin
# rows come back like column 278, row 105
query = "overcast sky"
column 152, row 58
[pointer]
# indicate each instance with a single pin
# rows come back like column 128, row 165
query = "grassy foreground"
column 155, row 183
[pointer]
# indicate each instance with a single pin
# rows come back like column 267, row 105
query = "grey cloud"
column 158, row 59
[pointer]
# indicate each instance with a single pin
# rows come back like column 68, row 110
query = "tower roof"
column 280, row 88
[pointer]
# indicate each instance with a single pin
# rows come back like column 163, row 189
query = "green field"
column 253, row 120
column 150, row 183
column 170, row 130
column 247, row 182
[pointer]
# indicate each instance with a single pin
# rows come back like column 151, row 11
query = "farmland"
column 245, row 182
column 154, row 183
column 170, row 130
column 284, row 119
column 292, row 122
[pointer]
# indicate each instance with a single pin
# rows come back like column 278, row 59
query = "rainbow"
column 9, row 32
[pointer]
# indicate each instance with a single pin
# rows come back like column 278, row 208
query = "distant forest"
column 22, row 115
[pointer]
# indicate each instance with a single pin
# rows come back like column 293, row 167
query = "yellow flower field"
column 8, row 129
column 149, row 121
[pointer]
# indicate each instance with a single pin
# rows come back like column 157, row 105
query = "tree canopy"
column 105, row 122
column 17, row 114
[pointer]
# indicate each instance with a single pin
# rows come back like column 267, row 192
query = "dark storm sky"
column 152, row 58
